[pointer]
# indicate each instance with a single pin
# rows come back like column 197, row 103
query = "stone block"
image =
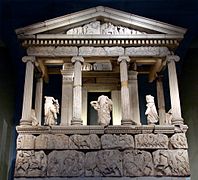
column 25, row 141
column 52, row 51
column 30, row 164
column 110, row 141
column 137, row 163
column 103, row 163
column 100, row 51
column 50, row 141
column 179, row 141
column 65, row 163
column 171, row 163
column 147, row 51
column 91, row 141
column 151, row 141
column 114, row 51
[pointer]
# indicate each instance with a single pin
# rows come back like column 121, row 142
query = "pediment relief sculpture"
column 97, row 27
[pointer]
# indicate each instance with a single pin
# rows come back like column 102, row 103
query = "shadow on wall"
column 189, row 99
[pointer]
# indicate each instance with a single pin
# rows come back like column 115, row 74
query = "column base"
column 177, row 121
column 128, row 122
column 76, row 122
column 25, row 122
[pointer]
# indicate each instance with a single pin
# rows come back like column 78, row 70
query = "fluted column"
column 39, row 98
column 77, row 90
column 67, row 94
column 160, row 101
column 174, row 91
column 126, row 115
column 28, row 87
column 134, row 98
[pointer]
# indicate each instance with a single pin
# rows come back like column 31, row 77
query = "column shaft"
column 67, row 95
column 174, row 91
column 28, row 88
column 126, row 118
column 38, row 99
column 160, row 101
column 77, row 91
column 84, row 106
column 116, row 112
column 134, row 98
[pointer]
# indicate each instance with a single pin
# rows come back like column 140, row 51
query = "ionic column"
column 160, row 101
column 84, row 106
column 116, row 112
column 28, row 87
column 134, row 98
column 174, row 91
column 67, row 94
column 38, row 99
column 126, row 115
column 77, row 90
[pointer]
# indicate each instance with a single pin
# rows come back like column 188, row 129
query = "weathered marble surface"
column 65, row 163
column 97, row 27
column 151, row 141
column 137, row 163
column 51, row 109
column 146, row 51
column 112, row 141
column 25, row 141
column 171, row 163
column 179, row 141
column 91, row 141
column 30, row 163
column 151, row 111
column 103, row 163
column 50, row 141
column 104, row 106
column 52, row 51
column 101, row 51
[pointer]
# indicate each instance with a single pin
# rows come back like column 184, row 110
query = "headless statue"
column 104, row 106
column 51, row 111
column 151, row 112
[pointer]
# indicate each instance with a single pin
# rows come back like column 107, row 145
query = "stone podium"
column 101, row 50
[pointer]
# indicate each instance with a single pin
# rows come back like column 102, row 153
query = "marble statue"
column 104, row 106
column 151, row 112
column 51, row 110
column 169, row 117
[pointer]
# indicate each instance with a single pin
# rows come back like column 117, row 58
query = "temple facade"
column 103, row 51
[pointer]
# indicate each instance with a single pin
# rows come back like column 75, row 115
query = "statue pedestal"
column 95, row 152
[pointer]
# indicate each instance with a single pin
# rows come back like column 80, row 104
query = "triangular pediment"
column 101, row 21
column 100, row 28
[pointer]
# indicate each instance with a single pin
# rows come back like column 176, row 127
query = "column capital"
column 123, row 58
column 67, row 72
column 25, row 59
column 132, row 75
column 170, row 58
column 77, row 58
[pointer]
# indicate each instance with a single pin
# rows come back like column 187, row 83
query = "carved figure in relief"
column 30, row 163
column 151, row 112
column 35, row 121
column 51, row 110
column 104, row 106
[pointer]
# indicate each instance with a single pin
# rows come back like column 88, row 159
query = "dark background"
column 19, row 13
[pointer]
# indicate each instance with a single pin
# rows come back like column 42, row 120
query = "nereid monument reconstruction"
column 104, row 51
